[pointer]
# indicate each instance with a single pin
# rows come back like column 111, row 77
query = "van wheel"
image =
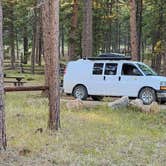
column 80, row 92
column 97, row 98
column 147, row 95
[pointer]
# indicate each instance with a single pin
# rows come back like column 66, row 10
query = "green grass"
column 97, row 136
column 29, row 78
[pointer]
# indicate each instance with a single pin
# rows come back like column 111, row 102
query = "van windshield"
column 147, row 70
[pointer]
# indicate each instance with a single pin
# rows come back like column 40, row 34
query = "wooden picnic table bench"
column 17, row 80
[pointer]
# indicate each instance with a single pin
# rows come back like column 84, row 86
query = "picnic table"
column 17, row 80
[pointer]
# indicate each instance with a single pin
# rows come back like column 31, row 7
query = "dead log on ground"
column 26, row 88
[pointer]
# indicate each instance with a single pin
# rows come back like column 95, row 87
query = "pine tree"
column 2, row 114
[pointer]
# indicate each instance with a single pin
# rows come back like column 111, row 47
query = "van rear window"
column 98, row 68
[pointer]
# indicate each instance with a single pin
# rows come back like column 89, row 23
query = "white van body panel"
column 80, row 72
column 76, row 73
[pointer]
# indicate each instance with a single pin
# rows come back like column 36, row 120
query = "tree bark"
column 72, row 35
column 34, row 41
column 139, row 27
column 108, row 34
column 117, row 29
column 164, row 59
column 133, row 30
column 25, row 44
column 12, row 35
column 50, row 15
column 3, row 143
column 87, row 37
column 33, row 53
column 62, row 41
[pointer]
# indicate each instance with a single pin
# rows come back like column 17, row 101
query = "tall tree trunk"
column 33, row 51
column 164, row 59
column 17, row 46
column 12, row 36
column 38, row 34
column 133, row 30
column 117, row 29
column 108, row 34
column 40, row 50
column 50, row 20
column 3, row 143
column 87, row 37
column 72, row 35
column 25, row 46
column 158, row 36
column 62, row 41
column 139, row 27
column 34, row 41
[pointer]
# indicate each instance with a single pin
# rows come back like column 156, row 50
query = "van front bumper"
column 161, row 95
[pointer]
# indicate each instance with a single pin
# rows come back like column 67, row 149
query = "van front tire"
column 147, row 95
column 80, row 92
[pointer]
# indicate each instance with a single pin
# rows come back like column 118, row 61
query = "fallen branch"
column 26, row 88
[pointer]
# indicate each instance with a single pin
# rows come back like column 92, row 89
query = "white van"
column 100, row 77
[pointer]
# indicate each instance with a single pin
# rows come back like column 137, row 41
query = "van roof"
column 101, row 60
column 108, row 58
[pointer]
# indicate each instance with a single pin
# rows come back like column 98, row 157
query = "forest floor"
column 95, row 136
column 90, row 136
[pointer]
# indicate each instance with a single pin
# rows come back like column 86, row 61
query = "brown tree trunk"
column 12, row 36
column 133, row 30
column 50, row 19
column 164, row 59
column 34, row 42
column 3, row 143
column 158, row 37
column 139, row 27
column 62, row 41
column 108, row 34
column 158, row 63
column 87, row 37
column 25, row 45
column 117, row 29
column 33, row 54
column 17, row 46
column 72, row 35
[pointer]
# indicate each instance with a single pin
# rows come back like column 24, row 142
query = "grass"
column 97, row 136
column 94, row 136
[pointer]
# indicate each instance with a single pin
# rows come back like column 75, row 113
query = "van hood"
column 159, row 78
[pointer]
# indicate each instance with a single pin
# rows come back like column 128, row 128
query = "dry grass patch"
column 97, row 136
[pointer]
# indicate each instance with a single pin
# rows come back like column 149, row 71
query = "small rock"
column 120, row 103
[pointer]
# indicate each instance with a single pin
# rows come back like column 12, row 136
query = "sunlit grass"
column 97, row 136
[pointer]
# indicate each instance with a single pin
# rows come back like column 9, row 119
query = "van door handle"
column 119, row 78
column 104, row 78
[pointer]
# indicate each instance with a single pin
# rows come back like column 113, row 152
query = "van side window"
column 130, row 70
column 98, row 68
column 110, row 68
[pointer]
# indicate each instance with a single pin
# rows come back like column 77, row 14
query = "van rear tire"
column 97, row 98
column 80, row 92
